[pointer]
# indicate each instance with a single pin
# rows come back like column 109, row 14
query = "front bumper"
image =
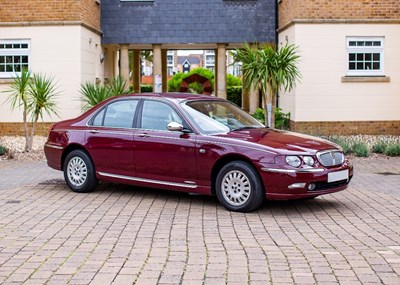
column 286, row 183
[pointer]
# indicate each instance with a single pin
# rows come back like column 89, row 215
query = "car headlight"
column 293, row 160
column 308, row 160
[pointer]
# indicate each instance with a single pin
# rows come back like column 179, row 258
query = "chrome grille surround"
column 330, row 157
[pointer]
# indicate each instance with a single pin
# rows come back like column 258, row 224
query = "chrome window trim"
column 138, row 179
column 90, row 118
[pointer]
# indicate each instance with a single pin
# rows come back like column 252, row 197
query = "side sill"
column 137, row 179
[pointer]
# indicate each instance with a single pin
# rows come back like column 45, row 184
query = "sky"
column 187, row 52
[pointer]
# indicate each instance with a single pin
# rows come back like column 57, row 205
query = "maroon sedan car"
column 193, row 143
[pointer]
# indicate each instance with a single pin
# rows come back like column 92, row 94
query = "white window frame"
column 366, row 49
column 11, row 51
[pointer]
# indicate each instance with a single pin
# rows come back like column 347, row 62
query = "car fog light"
column 311, row 186
column 297, row 185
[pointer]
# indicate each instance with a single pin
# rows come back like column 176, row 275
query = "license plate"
column 338, row 175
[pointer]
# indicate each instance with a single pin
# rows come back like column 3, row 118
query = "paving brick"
column 126, row 235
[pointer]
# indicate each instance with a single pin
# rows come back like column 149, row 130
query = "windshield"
column 214, row 117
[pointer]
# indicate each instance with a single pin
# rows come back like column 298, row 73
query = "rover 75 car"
column 197, row 144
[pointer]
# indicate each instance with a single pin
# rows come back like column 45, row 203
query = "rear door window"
column 119, row 114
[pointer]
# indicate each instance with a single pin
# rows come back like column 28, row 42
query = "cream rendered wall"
column 91, row 48
column 66, row 54
column 321, row 95
column 287, row 101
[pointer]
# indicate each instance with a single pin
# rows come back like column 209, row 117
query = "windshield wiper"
column 245, row 128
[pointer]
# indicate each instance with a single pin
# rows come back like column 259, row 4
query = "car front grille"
column 330, row 157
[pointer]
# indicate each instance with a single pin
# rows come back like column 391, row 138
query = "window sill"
column 365, row 79
column 6, row 80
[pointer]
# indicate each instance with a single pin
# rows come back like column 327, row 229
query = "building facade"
column 217, row 25
column 60, row 38
column 349, row 52
column 350, row 65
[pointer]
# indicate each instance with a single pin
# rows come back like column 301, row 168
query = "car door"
column 164, row 157
column 110, row 138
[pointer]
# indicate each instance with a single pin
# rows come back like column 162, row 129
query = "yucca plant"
column 42, row 99
column 269, row 69
column 18, row 92
column 92, row 94
column 117, row 86
column 35, row 93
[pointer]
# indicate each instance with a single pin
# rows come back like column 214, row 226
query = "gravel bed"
column 16, row 144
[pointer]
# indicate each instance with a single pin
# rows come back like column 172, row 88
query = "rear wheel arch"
column 71, row 148
column 79, row 171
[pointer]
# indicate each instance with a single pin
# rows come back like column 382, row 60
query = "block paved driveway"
column 126, row 235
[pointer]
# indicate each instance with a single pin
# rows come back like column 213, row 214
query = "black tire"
column 79, row 173
column 238, row 187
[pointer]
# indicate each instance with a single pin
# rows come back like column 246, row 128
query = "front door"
column 164, row 157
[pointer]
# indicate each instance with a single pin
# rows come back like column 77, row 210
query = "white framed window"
column 14, row 56
column 365, row 56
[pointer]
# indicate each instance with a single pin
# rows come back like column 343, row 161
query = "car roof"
column 178, row 96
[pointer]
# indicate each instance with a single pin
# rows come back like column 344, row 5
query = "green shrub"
column 232, row 80
column 175, row 82
column 282, row 120
column 259, row 115
column 360, row 149
column 234, row 94
column 146, row 88
column 379, row 147
column 392, row 150
column 196, row 88
column 3, row 150
column 343, row 143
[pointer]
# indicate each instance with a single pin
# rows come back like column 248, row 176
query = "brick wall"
column 337, row 9
column 348, row 128
column 17, row 129
column 90, row 13
column 87, row 11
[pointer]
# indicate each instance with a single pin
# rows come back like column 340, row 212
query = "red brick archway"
column 205, row 82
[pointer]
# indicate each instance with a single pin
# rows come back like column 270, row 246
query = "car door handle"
column 93, row 131
column 144, row 135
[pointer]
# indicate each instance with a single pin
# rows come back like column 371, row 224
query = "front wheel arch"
column 222, row 162
column 239, row 187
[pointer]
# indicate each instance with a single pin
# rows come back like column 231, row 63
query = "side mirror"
column 174, row 127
